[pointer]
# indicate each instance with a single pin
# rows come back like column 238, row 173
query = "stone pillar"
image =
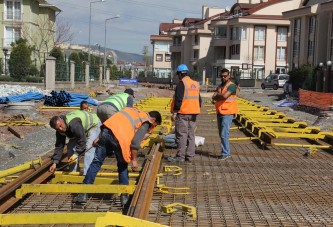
column 50, row 69
column 107, row 75
column 100, row 75
column 87, row 74
column 72, row 77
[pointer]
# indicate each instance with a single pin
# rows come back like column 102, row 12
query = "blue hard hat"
column 182, row 68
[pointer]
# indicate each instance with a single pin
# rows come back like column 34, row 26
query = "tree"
column 44, row 34
column 146, row 58
column 20, row 59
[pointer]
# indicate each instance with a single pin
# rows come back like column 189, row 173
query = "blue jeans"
column 106, row 144
column 223, row 124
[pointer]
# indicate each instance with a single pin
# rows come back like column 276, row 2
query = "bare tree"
column 44, row 34
column 63, row 33
column 145, row 53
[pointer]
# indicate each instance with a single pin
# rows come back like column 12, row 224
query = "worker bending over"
column 122, row 133
column 115, row 103
column 82, row 128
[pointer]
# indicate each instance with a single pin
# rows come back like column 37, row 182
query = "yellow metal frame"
column 100, row 219
column 73, row 188
column 79, row 179
column 186, row 209
column 20, row 168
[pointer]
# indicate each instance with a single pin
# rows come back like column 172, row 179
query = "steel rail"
column 139, row 206
column 32, row 176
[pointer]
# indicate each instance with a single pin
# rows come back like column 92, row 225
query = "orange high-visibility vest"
column 124, row 124
column 190, row 102
column 227, row 106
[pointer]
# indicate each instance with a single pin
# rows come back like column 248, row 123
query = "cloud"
column 138, row 19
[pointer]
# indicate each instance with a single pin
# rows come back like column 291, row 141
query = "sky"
column 138, row 19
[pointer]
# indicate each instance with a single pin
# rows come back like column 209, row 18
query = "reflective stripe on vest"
column 124, row 124
column 118, row 100
column 190, row 102
column 227, row 106
column 88, row 119
column 134, row 122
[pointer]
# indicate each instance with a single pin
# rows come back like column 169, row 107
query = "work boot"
column 124, row 199
column 176, row 159
column 80, row 198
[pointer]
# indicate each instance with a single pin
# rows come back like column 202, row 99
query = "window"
column 177, row 41
column 259, row 53
column 235, row 33
column 297, row 26
column 295, row 49
column 312, row 24
column 13, row 10
column 282, row 34
column 195, row 54
column 259, row 33
column 11, row 35
column 168, row 57
column 244, row 34
column 196, row 40
column 159, row 57
column 310, row 48
column 221, row 32
column 235, row 49
column 281, row 53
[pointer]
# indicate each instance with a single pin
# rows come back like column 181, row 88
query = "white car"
column 274, row 81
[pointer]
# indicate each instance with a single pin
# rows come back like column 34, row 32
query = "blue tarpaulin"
column 64, row 98
column 23, row 97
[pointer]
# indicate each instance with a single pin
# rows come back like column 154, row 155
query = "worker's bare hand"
column 173, row 117
column 53, row 168
column 135, row 166
column 95, row 143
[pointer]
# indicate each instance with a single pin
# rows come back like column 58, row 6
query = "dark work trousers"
column 185, row 138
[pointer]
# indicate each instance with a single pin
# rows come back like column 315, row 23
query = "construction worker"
column 185, row 107
column 122, row 133
column 84, row 105
column 225, row 99
column 115, row 103
column 82, row 128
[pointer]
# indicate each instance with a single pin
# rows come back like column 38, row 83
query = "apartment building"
column 191, row 42
column 311, row 36
column 25, row 15
column 252, row 38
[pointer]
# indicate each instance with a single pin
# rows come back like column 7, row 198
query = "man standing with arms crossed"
column 226, row 106
column 184, row 108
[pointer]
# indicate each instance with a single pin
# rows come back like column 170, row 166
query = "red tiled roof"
column 263, row 5
column 168, row 26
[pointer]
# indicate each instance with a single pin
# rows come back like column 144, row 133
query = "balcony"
column 13, row 17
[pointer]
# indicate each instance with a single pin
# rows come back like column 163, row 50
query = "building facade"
column 311, row 40
column 22, row 19
column 252, row 38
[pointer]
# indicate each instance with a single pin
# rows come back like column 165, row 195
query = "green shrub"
column 6, row 78
column 34, row 79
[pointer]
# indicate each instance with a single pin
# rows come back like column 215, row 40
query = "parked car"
column 274, row 81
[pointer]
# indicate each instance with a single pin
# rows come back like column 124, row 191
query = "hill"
column 122, row 56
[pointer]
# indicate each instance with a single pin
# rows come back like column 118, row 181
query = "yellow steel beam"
column 112, row 167
column 114, row 219
column 79, row 179
column 50, row 218
column 244, row 138
column 98, row 174
column 73, row 188
column 20, row 168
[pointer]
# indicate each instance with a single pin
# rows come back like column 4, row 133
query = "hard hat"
column 182, row 69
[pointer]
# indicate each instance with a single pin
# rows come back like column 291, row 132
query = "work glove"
column 73, row 158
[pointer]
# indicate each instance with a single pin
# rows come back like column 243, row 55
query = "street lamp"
column 5, row 52
column 322, row 77
column 90, row 28
column 329, row 81
column 104, row 62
